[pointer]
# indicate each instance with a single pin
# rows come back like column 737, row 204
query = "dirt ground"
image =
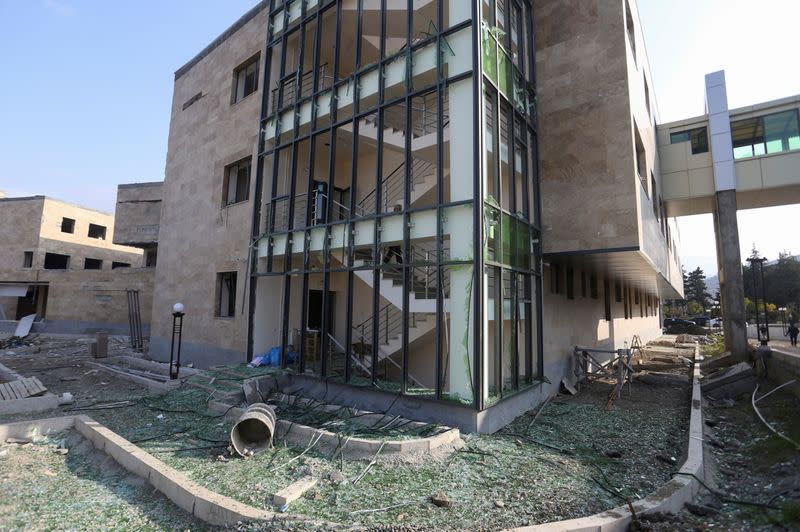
column 579, row 456
column 752, row 475
column 62, row 365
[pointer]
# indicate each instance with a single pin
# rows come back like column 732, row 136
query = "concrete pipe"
column 254, row 430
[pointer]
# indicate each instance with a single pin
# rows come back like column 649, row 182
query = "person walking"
column 792, row 332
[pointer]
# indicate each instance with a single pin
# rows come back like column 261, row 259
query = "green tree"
column 695, row 289
column 694, row 308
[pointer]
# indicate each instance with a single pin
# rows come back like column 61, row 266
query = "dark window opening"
column 33, row 302
column 67, row 225
column 570, row 283
column 150, row 257
column 641, row 159
column 92, row 264
column 607, row 299
column 583, row 284
column 97, row 231
column 115, row 265
column 54, row 261
column 226, row 294
column 555, row 279
column 697, row 136
column 27, row 261
column 593, row 286
column 647, row 97
column 626, row 302
column 245, row 79
column 236, row 185
column 654, row 193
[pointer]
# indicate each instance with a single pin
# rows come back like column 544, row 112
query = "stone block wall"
column 198, row 237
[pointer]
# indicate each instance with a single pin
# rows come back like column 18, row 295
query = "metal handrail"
column 289, row 84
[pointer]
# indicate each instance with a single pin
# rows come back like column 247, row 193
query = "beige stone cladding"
column 138, row 214
column 80, row 301
column 77, row 300
column 78, row 244
column 198, row 237
column 35, row 224
column 585, row 140
column 19, row 231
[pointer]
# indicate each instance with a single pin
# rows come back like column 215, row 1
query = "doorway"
column 315, row 310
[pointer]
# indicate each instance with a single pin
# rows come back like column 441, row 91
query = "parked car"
column 669, row 322
column 702, row 321
column 715, row 322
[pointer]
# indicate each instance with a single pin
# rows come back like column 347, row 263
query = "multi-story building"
column 58, row 262
column 376, row 191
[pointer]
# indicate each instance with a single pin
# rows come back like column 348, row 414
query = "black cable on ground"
column 725, row 498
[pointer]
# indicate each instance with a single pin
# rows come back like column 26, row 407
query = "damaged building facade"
column 59, row 262
column 416, row 202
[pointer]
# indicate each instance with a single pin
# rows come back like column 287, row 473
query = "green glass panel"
column 489, row 56
column 504, row 81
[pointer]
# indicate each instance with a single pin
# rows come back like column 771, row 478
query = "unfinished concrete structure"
column 58, row 262
column 138, row 217
column 325, row 201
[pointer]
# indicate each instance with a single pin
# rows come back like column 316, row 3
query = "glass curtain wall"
column 370, row 220
column 511, row 277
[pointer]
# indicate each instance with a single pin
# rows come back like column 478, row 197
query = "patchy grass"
column 83, row 490
column 716, row 348
column 559, row 462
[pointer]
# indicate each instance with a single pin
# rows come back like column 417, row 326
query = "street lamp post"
column 763, row 332
column 177, row 326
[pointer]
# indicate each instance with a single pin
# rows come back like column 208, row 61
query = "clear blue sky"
column 86, row 88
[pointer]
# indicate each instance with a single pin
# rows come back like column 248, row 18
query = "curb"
column 200, row 502
column 151, row 385
column 354, row 447
column 669, row 498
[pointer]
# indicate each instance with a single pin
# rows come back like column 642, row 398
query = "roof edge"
column 138, row 185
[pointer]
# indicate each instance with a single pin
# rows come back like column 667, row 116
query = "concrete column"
column 726, row 228
column 731, row 284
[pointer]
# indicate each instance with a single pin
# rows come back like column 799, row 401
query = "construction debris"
column 294, row 491
column 21, row 389
column 254, row 430
column 24, row 326
column 730, row 383
column 441, row 500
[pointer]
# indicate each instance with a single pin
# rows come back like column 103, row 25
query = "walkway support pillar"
column 731, row 283
column 726, row 228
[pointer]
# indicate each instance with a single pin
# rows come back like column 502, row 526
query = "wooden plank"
column 27, row 386
column 3, row 394
column 31, row 387
column 19, row 389
column 39, row 384
column 11, row 391
column 41, row 387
